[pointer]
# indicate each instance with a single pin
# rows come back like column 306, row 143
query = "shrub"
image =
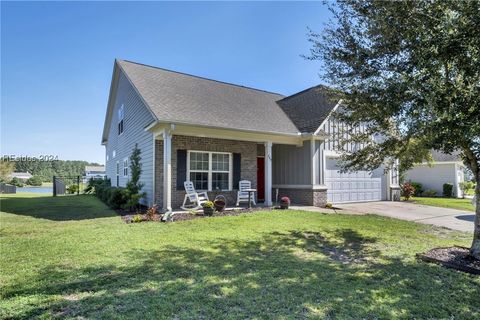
column 151, row 212
column 137, row 218
column 418, row 188
column 448, row 190
column 429, row 193
column 407, row 190
column 117, row 197
column 134, row 186
column 93, row 184
column 73, row 188
column 208, row 204
column 35, row 181
column 17, row 182
column 466, row 186
column 329, row 205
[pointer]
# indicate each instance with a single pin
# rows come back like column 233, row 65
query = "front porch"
column 214, row 165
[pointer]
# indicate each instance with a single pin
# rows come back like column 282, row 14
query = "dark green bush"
column 418, row 188
column 35, row 181
column 448, row 190
column 429, row 193
column 17, row 182
column 94, row 184
column 118, row 197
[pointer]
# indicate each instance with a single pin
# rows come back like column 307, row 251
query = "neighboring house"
column 96, row 172
column 21, row 175
column 446, row 168
column 215, row 134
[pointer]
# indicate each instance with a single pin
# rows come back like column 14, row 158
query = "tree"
column 17, row 182
column 409, row 71
column 6, row 169
column 134, row 186
column 35, row 181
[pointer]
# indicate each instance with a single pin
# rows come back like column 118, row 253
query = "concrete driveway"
column 443, row 217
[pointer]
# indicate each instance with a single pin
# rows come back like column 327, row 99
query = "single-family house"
column 21, row 175
column 215, row 134
column 445, row 168
column 95, row 172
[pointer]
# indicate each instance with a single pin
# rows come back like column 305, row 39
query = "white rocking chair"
column 195, row 198
column 242, row 195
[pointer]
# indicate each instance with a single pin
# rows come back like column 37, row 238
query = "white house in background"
column 447, row 168
column 21, row 175
column 215, row 134
column 96, row 172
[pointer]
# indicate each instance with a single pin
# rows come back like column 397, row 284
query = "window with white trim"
column 121, row 115
column 210, row 170
column 125, row 167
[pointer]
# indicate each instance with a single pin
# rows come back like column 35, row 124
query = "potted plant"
column 284, row 202
column 220, row 203
column 208, row 208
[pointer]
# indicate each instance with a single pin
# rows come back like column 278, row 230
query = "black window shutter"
column 181, row 168
column 237, row 169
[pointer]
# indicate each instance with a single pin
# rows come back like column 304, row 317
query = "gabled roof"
column 308, row 108
column 181, row 98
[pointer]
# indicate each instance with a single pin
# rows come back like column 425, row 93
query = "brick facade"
column 308, row 197
column 248, row 151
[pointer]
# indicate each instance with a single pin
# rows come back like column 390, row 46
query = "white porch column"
column 268, row 173
column 167, row 170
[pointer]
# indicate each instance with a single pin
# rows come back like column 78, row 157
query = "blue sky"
column 57, row 60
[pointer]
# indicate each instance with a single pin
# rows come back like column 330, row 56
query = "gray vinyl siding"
column 136, row 118
column 291, row 165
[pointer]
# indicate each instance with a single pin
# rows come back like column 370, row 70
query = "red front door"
column 261, row 178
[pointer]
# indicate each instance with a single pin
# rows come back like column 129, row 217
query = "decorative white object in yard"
column 242, row 195
column 196, row 198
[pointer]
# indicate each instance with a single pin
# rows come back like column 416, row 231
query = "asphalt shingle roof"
column 94, row 168
column 440, row 156
column 183, row 98
column 309, row 108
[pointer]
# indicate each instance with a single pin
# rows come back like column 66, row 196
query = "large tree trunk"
column 475, row 249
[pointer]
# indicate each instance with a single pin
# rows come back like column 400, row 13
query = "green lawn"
column 71, row 257
column 454, row 203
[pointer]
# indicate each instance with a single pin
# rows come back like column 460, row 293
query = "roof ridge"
column 204, row 78
column 303, row 91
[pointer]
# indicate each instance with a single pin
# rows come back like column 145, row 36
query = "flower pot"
column 220, row 203
column 208, row 211
column 283, row 205
column 219, row 206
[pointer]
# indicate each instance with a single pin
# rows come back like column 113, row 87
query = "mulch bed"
column 127, row 216
column 456, row 257
column 189, row 216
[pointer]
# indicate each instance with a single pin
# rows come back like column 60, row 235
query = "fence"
column 67, row 185
column 6, row 188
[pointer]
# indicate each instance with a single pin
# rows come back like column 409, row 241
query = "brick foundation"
column 307, row 197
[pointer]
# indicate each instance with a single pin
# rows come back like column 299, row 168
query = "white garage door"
column 351, row 186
